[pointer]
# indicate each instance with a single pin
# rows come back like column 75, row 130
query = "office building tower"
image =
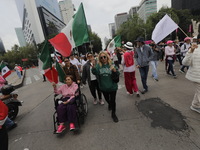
column 147, row 7
column 120, row 19
column 66, row 10
column 20, row 36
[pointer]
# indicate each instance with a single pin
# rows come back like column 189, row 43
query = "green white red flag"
column 114, row 43
column 73, row 35
column 5, row 71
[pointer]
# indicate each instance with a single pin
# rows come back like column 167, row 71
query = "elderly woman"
column 192, row 59
column 170, row 57
column 67, row 108
column 104, row 70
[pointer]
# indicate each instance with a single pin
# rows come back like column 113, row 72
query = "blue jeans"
column 144, row 73
column 19, row 74
column 170, row 67
column 154, row 65
column 9, row 123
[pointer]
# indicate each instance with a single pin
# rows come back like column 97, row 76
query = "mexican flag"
column 45, row 56
column 115, row 42
column 61, row 73
column 73, row 35
column 5, row 71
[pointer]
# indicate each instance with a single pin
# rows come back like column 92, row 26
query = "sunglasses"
column 103, row 57
column 66, row 61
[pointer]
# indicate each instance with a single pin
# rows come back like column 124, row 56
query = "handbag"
column 115, row 76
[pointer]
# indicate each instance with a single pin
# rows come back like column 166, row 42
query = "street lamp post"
column 145, row 33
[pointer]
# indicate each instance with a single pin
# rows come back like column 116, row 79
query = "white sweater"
column 193, row 61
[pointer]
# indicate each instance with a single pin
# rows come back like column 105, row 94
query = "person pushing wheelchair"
column 66, row 110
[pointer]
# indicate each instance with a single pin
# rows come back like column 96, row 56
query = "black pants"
column 170, row 67
column 110, row 97
column 3, row 139
column 179, row 59
column 144, row 74
column 93, row 87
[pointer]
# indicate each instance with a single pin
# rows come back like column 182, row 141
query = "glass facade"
column 147, row 7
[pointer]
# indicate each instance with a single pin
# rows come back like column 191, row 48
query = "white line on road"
column 36, row 77
column 28, row 80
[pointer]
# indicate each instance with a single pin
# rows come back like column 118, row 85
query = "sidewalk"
column 14, row 79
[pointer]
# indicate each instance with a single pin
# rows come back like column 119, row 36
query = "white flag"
column 163, row 28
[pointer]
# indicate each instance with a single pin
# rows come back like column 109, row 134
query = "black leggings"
column 3, row 139
column 110, row 97
column 93, row 88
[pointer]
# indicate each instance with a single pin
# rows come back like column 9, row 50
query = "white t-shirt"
column 92, row 76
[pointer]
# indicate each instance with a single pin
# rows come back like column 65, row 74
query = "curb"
column 22, row 81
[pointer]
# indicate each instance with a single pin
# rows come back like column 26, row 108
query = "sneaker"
column 101, row 102
column 129, row 93
column 155, row 79
column 195, row 109
column 95, row 102
column 61, row 128
column 137, row 94
column 169, row 74
column 181, row 71
column 144, row 91
column 114, row 117
column 174, row 76
column 71, row 127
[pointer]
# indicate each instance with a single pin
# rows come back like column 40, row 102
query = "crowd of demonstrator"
column 101, row 72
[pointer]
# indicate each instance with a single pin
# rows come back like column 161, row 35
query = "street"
column 132, row 132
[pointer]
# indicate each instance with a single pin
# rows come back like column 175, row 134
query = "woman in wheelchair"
column 66, row 110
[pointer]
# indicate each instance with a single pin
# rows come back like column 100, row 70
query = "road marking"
column 36, row 77
column 28, row 80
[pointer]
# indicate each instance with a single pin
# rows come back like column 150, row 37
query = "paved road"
column 132, row 132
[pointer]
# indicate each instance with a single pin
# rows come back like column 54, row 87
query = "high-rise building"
column 112, row 29
column 66, row 10
column 32, row 22
column 20, row 36
column 120, row 19
column 133, row 10
column 147, row 7
column 185, row 4
column 2, row 48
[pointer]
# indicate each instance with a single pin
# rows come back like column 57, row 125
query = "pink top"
column 2, row 82
column 169, row 51
column 67, row 91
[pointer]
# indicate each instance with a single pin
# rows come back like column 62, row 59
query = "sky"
column 99, row 13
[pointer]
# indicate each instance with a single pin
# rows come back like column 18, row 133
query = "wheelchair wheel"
column 84, row 104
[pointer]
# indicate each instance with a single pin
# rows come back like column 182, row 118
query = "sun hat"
column 187, row 38
column 169, row 42
column 128, row 45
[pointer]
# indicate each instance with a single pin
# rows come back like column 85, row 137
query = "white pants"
column 196, row 100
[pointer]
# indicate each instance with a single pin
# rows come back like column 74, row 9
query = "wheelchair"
column 81, row 109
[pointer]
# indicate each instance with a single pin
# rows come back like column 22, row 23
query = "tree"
column 132, row 29
column 96, row 42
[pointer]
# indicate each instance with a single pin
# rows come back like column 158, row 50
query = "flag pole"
column 183, row 31
column 1, row 62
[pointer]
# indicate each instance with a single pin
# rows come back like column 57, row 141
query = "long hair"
column 109, row 61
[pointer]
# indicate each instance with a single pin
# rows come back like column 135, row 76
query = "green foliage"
column 96, row 42
column 15, row 56
column 135, row 27
column 132, row 29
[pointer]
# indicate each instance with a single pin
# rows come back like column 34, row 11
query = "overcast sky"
column 99, row 13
